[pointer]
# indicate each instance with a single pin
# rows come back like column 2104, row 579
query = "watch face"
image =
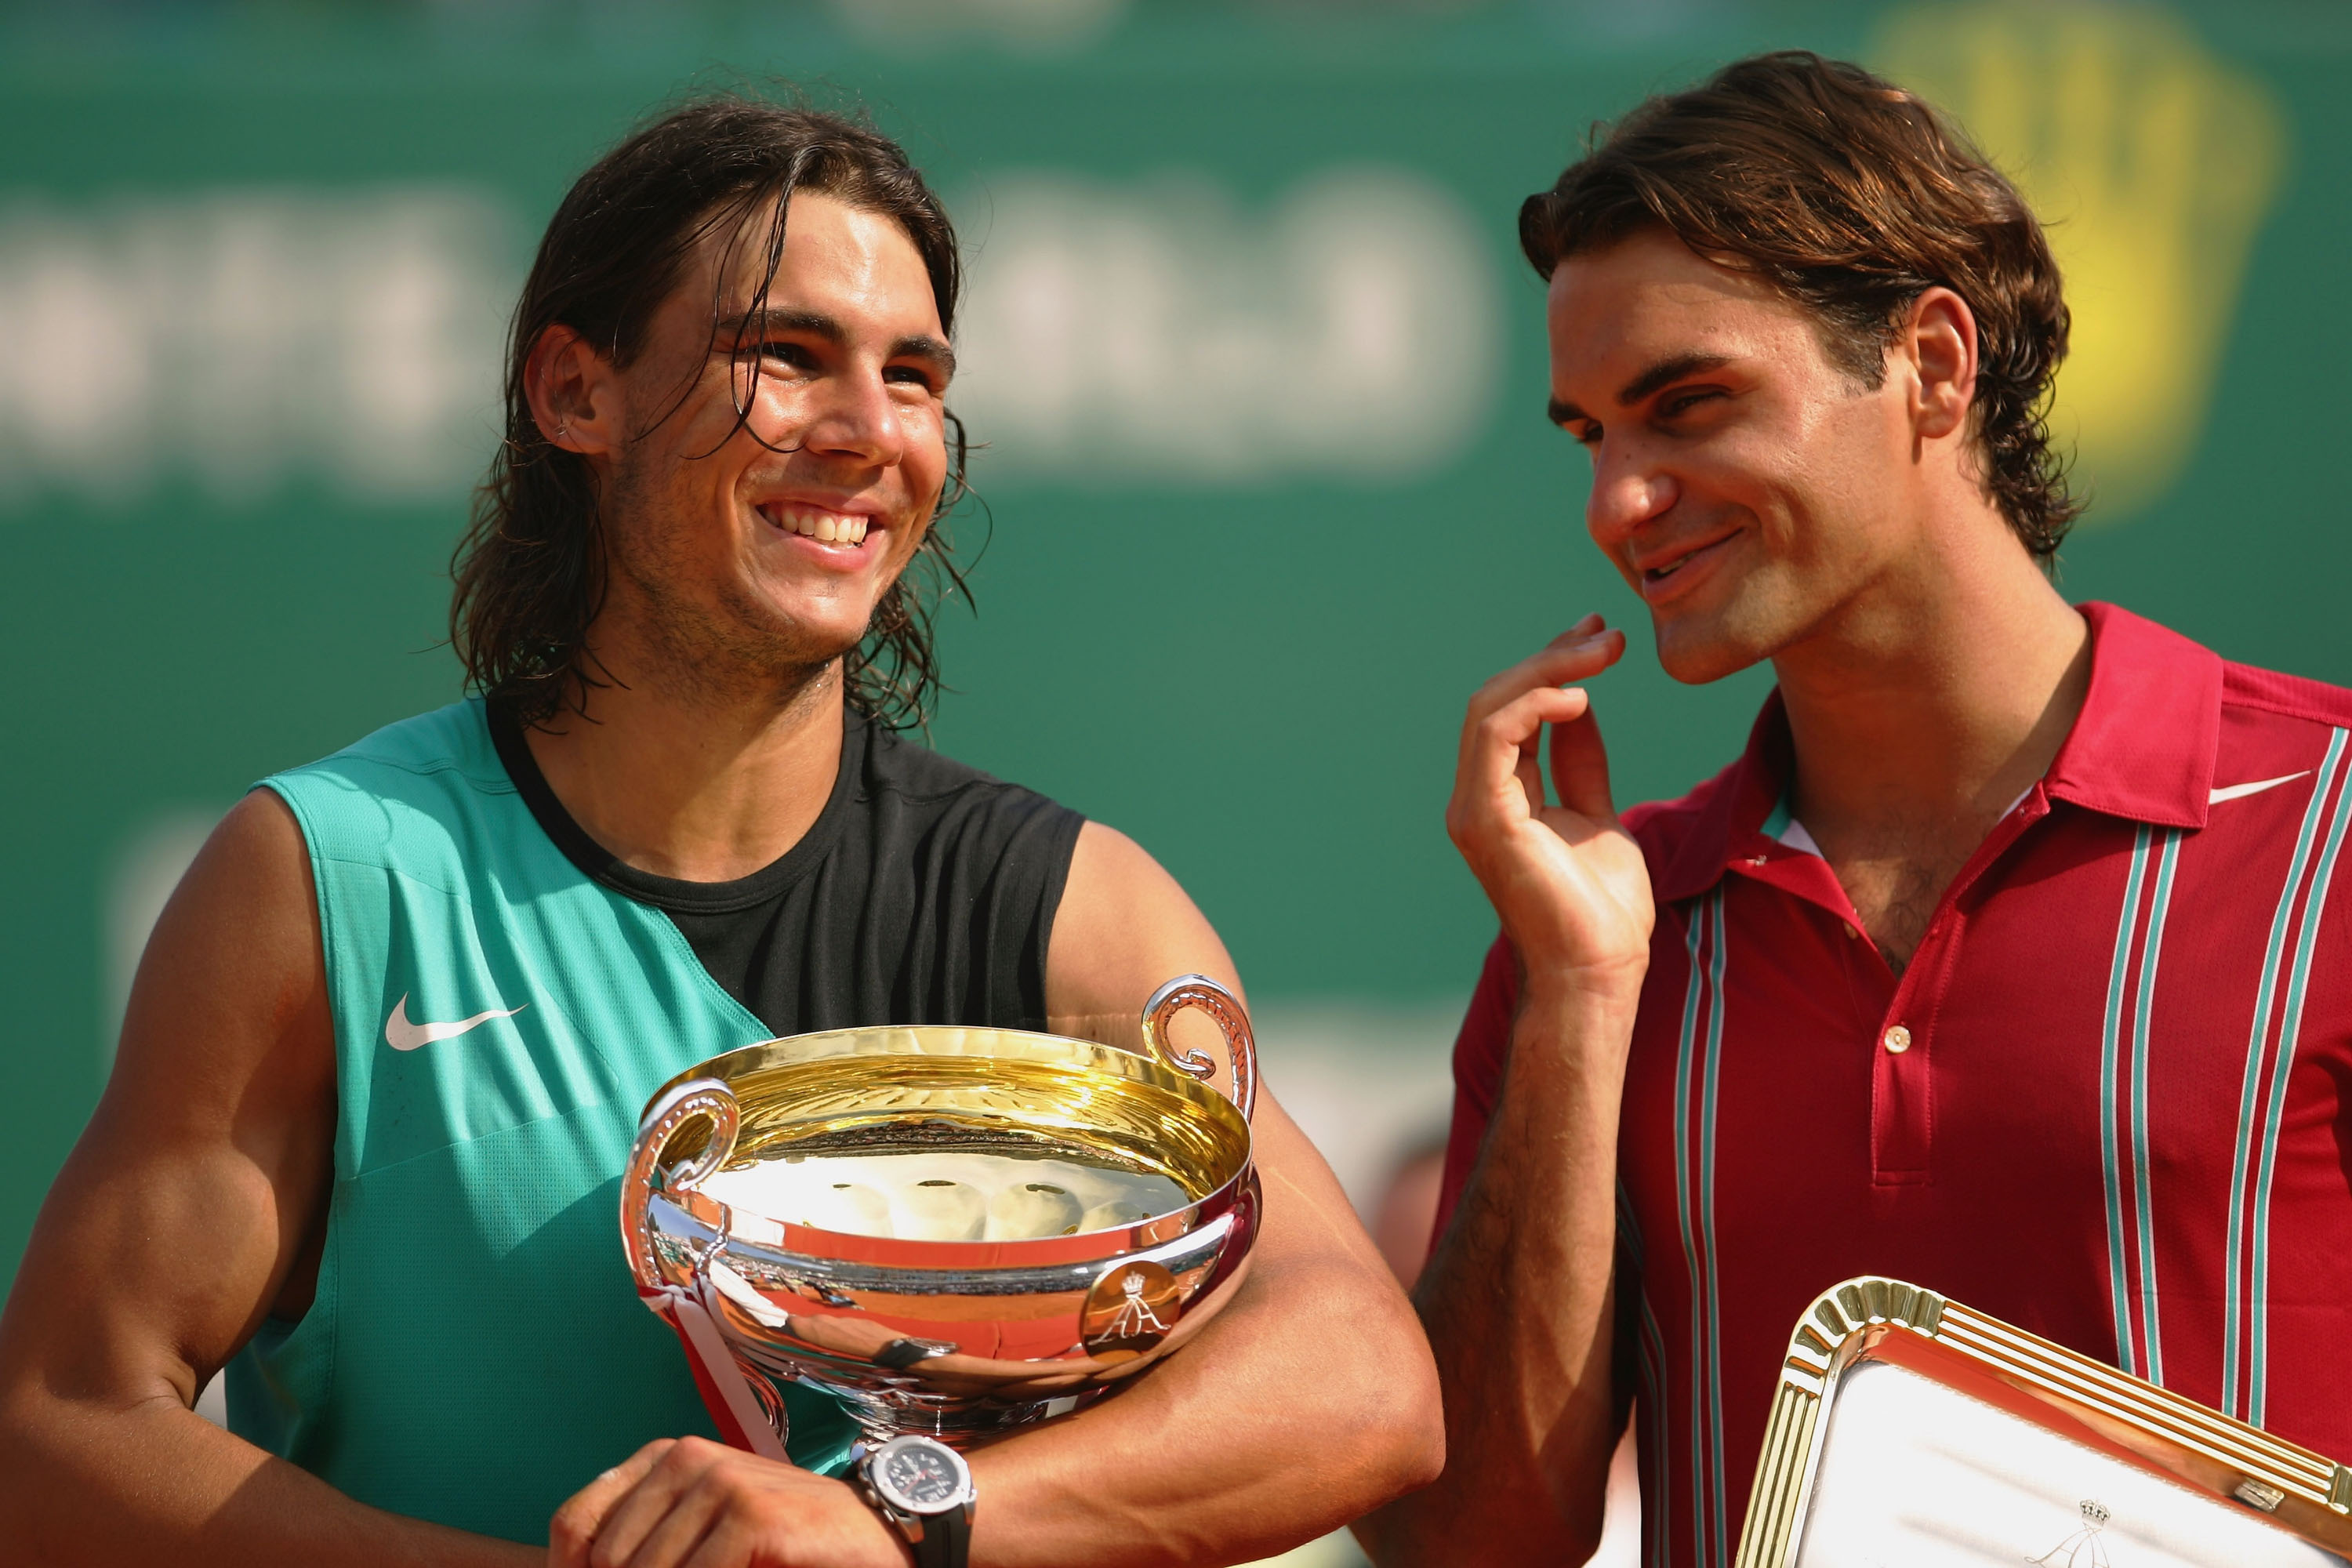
column 922, row 1477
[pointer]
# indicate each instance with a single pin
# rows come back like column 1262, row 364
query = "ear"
column 1939, row 339
column 574, row 394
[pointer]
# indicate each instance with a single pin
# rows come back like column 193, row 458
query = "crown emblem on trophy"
column 2083, row 1549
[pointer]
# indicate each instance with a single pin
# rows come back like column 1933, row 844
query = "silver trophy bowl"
column 954, row 1231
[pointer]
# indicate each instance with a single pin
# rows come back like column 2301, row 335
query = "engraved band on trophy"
column 952, row 1230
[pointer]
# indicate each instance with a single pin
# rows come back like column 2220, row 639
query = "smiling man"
column 387, row 1051
column 2004, row 960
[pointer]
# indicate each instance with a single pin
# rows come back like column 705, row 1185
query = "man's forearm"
column 81, row 1482
column 1518, row 1300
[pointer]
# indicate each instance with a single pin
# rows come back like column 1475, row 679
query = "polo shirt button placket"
column 1899, row 1115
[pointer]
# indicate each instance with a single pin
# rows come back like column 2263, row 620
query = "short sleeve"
column 1480, row 1051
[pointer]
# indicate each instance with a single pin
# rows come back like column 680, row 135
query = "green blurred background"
column 1269, row 485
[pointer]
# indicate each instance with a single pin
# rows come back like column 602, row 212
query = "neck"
column 1932, row 701
column 688, row 776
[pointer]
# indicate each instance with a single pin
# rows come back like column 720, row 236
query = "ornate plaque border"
column 2087, row 1400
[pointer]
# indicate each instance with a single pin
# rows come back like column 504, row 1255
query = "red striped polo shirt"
column 2107, row 1100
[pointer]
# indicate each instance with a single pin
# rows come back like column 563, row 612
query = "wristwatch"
column 924, row 1488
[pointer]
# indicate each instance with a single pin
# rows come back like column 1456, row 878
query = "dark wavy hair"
column 529, row 573
column 1853, row 196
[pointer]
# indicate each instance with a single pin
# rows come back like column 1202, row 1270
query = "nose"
column 856, row 418
column 1629, row 490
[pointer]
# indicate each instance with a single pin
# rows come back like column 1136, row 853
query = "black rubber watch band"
column 946, row 1539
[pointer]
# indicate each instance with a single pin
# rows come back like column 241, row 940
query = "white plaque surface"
column 1915, row 1474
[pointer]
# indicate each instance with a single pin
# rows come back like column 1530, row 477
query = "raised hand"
column 1567, row 880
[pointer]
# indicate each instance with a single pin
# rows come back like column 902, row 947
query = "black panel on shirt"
column 924, row 893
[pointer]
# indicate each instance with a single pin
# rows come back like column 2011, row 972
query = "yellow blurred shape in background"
column 2152, row 163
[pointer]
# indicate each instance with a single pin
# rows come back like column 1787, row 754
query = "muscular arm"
column 1517, row 1298
column 1309, row 1399
column 190, row 1208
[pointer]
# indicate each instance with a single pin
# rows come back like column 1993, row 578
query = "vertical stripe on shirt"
column 2168, row 861
column 2236, row 1306
column 1722, row 1490
column 2110, row 1049
column 1695, row 1210
column 2314, row 904
column 2123, row 1049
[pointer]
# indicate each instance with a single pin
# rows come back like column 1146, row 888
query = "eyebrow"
column 1663, row 373
column 816, row 324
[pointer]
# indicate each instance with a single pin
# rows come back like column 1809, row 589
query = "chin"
column 1694, row 651
column 784, row 635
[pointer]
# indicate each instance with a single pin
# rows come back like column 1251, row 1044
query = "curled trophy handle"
column 697, row 1099
column 1241, row 1044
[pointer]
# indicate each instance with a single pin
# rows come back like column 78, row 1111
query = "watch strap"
column 947, row 1539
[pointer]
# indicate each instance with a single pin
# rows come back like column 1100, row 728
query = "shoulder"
column 422, row 781
column 451, row 743
column 2258, row 691
column 1124, row 925
column 904, row 776
column 238, row 938
column 2273, row 726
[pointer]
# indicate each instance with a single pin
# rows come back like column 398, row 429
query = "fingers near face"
column 1492, row 748
column 1572, row 657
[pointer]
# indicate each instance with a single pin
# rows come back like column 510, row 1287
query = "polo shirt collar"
column 2144, row 745
column 2142, row 749
column 1733, row 808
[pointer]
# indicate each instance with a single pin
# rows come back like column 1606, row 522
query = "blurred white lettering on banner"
column 243, row 338
column 1156, row 329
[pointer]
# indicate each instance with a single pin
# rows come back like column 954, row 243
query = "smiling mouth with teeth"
column 824, row 527
column 1660, row 574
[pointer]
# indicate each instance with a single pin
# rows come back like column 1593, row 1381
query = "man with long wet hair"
column 2003, row 961
column 386, row 1052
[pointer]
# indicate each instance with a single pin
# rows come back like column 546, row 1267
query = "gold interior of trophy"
column 883, row 1092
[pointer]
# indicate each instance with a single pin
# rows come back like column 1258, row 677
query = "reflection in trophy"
column 952, row 1230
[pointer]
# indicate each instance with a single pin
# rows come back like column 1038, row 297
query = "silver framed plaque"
column 1910, row 1430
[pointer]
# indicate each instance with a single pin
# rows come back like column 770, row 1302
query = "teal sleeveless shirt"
column 477, row 1352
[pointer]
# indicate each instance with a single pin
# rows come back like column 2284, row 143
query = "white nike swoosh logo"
column 2240, row 791
column 402, row 1036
